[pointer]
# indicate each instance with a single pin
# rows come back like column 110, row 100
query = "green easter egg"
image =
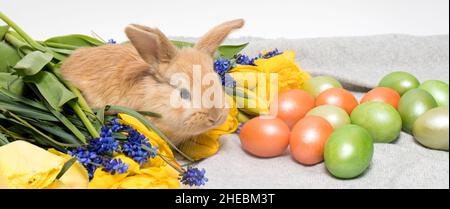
column 348, row 151
column 380, row 119
column 399, row 81
column 437, row 89
column 431, row 129
column 317, row 85
column 413, row 104
column 336, row 116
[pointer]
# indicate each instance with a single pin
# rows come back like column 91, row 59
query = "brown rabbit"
column 138, row 75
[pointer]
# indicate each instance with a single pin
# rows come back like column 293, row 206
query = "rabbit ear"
column 147, row 44
column 211, row 40
column 167, row 50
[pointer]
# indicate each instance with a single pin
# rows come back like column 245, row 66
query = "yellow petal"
column 200, row 147
column 244, row 68
column 105, row 180
column 24, row 165
column 75, row 178
column 137, row 182
column 290, row 75
column 151, row 178
column 134, row 166
column 245, row 79
column 57, row 184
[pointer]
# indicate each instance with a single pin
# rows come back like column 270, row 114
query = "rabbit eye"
column 184, row 94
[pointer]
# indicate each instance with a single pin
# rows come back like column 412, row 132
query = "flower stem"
column 91, row 129
column 25, row 123
column 22, row 33
column 12, row 134
column 14, row 41
column 177, row 168
column 81, row 101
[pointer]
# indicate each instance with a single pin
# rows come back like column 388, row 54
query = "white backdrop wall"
column 265, row 18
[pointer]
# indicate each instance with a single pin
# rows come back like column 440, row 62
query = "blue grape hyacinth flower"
column 194, row 177
column 132, row 147
column 221, row 66
column 116, row 166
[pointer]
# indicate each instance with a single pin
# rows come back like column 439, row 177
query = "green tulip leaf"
column 12, row 83
column 66, row 167
column 3, row 30
column 26, row 111
column 75, row 40
column 224, row 51
column 51, row 89
column 3, row 139
column 182, row 44
column 228, row 51
column 32, row 63
column 8, row 57
column 57, row 131
column 12, row 97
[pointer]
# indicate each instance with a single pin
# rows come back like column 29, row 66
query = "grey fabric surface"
column 359, row 63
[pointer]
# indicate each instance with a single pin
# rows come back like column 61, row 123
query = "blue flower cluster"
column 106, row 144
column 243, row 60
column 133, row 147
column 111, row 41
column 90, row 159
column 116, row 165
column 194, row 177
column 222, row 66
column 270, row 54
column 99, row 151
column 246, row 60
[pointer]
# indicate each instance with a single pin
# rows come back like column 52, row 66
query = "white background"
column 265, row 18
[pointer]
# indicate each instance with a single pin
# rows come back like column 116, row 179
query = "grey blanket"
column 359, row 63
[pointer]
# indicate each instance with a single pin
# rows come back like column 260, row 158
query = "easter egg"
column 317, row 85
column 437, row 89
column 380, row 119
column 292, row 105
column 382, row 94
column 307, row 139
column 338, row 97
column 336, row 116
column 431, row 128
column 399, row 81
column 348, row 151
column 265, row 136
column 413, row 104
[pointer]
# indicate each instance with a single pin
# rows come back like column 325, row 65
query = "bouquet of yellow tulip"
column 51, row 138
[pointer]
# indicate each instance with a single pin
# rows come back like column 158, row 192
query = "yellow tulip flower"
column 27, row 166
column 290, row 75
